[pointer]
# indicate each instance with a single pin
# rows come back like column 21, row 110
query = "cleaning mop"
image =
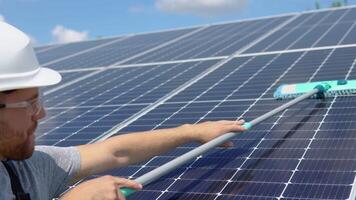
column 299, row 91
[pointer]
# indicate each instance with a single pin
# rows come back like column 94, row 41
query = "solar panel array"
column 224, row 71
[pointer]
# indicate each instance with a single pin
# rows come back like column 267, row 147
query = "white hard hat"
column 19, row 67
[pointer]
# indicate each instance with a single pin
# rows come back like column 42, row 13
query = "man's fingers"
column 121, row 196
column 230, row 122
column 240, row 122
column 235, row 128
column 121, row 182
column 226, row 121
column 128, row 183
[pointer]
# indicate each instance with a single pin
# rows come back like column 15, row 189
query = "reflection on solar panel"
column 225, row 71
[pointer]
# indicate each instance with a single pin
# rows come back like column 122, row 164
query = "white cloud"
column 2, row 18
column 62, row 34
column 204, row 8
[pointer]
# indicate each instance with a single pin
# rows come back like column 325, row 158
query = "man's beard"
column 17, row 145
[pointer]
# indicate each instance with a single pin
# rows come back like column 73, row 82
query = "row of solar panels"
column 142, row 86
column 308, row 152
column 314, row 29
column 319, row 131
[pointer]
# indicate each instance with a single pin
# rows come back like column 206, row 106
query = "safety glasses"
column 33, row 106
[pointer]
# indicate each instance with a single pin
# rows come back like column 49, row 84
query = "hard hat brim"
column 44, row 77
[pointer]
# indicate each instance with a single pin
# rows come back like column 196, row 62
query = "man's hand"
column 102, row 188
column 206, row 131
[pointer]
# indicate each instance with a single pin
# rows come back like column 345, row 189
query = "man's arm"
column 123, row 150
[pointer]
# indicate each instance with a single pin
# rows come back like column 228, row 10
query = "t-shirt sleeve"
column 59, row 164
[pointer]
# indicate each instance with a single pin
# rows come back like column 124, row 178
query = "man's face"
column 18, row 125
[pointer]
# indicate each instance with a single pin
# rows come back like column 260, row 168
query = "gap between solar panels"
column 207, row 58
column 296, row 50
column 98, row 70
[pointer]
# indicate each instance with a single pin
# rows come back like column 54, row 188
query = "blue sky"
column 49, row 21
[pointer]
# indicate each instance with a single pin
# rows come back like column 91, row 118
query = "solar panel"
column 67, row 77
column 40, row 49
column 217, row 40
column 118, row 51
column 226, row 71
column 312, row 30
column 81, row 112
column 269, row 160
column 68, row 49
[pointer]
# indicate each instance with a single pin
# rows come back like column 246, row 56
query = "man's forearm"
column 123, row 150
column 136, row 147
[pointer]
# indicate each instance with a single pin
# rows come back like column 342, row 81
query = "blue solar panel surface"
column 68, row 49
column 40, row 49
column 118, row 51
column 281, row 150
column 306, row 152
column 218, row 40
column 83, row 111
column 68, row 77
column 312, row 30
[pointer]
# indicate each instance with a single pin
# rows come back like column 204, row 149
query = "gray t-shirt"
column 45, row 175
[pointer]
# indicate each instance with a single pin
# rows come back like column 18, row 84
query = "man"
column 44, row 172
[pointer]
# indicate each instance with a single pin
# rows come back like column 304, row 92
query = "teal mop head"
column 326, row 89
